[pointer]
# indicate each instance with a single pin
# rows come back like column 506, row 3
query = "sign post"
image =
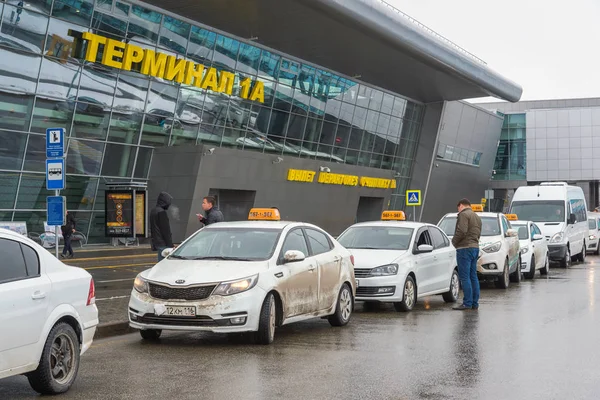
column 55, row 180
column 413, row 199
column 489, row 195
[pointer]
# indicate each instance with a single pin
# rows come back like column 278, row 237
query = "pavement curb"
column 113, row 329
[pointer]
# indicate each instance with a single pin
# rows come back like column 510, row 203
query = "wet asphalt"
column 539, row 339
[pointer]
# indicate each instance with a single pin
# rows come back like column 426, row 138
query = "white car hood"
column 203, row 271
column 487, row 240
column 365, row 258
column 551, row 230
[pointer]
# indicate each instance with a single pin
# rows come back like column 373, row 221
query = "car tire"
column 151, row 334
column 581, row 257
column 267, row 321
column 546, row 268
column 531, row 273
column 504, row 281
column 566, row 261
column 597, row 252
column 516, row 276
column 409, row 296
column 344, row 307
column 451, row 296
column 62, row 351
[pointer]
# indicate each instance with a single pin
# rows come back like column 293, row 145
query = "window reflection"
column 19, row 71
column 144, row 24
column 15, row 110
column 80, row 192
column 77, row 11
column 201, row 46
column 23, row 28
column 8, row 189
column 84, row 157
column 32, row 192
column 174, row 34
column 59, row 78
column 226, row 53
column 118, row 160
column 109, row 26
column 12, row 149
column 142, row 166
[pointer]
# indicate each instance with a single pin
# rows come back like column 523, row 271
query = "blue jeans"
column 159, row 251
column 68, row 248
column 467, row 272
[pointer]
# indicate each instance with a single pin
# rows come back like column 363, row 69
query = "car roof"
column 256, row 224
column 481, row 214
column 397, row 224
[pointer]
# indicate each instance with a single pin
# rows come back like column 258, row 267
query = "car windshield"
column 238, row 244
column 522, row 229
column 376, row 238
column 539, row 211
column 489, row 226
column 592, row 223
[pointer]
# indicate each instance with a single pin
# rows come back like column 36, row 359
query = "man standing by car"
column 213, row 214
column 160, row 228
column 466, row 240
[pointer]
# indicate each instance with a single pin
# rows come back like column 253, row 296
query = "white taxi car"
column 248, row 276
column 499, row 255
column 398, row 261
column 534, row 247
column 48, row 315
column 593, row 242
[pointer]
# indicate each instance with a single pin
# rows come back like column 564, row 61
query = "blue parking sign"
column 55, row 208
column 55, row 142
column 413, row 197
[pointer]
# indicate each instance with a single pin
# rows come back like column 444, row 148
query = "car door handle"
column 38, row 295
column 311, row 268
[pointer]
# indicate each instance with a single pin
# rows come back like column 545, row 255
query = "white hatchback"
column 534, row 249
column 48, row 315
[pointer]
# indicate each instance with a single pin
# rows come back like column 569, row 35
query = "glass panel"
column 32, row 191
column 226, row 53
column 97, row 231
column 174, row 34
column 388, row 103
column 15, row 111
column 104, row 4
column 12, row 149
column 147, row 28
column 97, row 85
column 35, row 156
column 184, row 133
column 130, row 94
column 59, row 79
column 157, row 129
column 34, row 220
column 91, row 120
column 58, row 42
column 80, row 192
column 77, row 11
column 51, row 114
column 118, row 160
column 8, row 189
column 125, row 127
column 22, row 29
column 283, row 97
column 84, row 157
column 19, row 71
column 162, row 99
column 248, row 59
column 296, row 126
column 312, row 132
column 398, row 109
column 109, row 26
column 201, row 45
column 142, row 165
column 269, row 64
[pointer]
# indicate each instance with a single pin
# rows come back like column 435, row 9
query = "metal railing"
column 434, row 33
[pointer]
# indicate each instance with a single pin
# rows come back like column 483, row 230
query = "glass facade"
column 114, row 118
column 456, row 154
column 511, row 158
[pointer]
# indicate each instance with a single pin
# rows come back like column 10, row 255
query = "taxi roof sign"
column 477, row 207
column 264, row 214
column 512, row 217
column 393, row 216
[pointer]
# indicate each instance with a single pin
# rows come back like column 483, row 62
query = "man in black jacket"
column 67, row 231
column 213, row 214
column 160, row 229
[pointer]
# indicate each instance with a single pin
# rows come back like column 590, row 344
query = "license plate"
column 357, row 283
column 181, row 311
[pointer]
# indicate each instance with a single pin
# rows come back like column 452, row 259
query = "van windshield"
column 539, row 211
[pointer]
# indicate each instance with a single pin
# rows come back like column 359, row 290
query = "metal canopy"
column 363, row 38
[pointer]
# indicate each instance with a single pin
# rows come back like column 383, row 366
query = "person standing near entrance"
column 213, row 214
column 466, row 241
column 68, row 229
column 160, row 228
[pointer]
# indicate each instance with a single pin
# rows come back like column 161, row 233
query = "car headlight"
column 524, row 250
column 557, row 238
column 492, row 248
column 235, row 287
column 140, row 284
column 592, row 237
column 385, row 270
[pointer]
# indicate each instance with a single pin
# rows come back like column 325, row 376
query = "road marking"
column 116, row 280
column 114, row 298
column 146, row 255
column 118, row 266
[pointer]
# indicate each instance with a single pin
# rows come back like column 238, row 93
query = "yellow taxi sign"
column 512, row 217
column 477, row 207
column 393, row 216
column 264, row 214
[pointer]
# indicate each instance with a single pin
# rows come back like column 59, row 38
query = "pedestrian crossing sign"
column 413, row 197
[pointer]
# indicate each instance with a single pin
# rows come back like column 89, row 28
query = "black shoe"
column 62, row 256
column 462, row 307
column 475, row 307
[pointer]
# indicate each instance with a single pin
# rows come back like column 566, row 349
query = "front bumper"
column 557, row 252
column 526, row 262
column 384, row 289
column 592, row 245
column 492, row 264
column 213, row 314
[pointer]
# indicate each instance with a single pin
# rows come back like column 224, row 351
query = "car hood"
column 365, row 258
column 549, row 229
column 487, row 240
column 202, row 271
column 524, row 243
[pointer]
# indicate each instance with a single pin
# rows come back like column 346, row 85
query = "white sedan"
column 534, row 248
column 48, row 315
column 399, row 262
column 248, row 276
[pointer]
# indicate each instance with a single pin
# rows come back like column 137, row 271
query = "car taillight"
column 91, row 294
column 352, row 259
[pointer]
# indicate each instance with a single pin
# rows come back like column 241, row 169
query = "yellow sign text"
column 329, row 178
column 300, row 175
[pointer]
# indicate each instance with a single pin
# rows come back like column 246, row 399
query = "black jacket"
column 213, row 216
column 160, row 229
column 69, row 225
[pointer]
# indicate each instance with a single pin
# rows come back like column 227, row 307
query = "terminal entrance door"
column 369, row 209
column 234, row 204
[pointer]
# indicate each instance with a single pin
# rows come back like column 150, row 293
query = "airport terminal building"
column 329, row 110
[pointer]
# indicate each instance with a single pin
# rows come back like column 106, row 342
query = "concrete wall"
column 189, row 173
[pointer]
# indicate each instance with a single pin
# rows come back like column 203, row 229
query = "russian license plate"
column 181, row 311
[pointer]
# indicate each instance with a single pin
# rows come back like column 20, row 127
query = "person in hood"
column 160, row 228
column 213, row 214
column 68, row 229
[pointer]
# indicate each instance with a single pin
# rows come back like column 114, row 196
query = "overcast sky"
column 551, row 48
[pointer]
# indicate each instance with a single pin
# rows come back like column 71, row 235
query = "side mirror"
column 537, row 236
column 425, row 248
column 291, row 256
column 167, row 252
column 512, row 233
column 572, row 219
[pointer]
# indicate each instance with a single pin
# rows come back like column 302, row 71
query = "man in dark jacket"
column 213, row 214
column 160, row 229
column 466, row 240
column 67, row 231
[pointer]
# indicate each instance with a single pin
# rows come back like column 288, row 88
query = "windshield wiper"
column 223, row 258
column 179, row 257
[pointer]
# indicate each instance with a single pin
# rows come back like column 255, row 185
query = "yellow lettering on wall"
column 175, row 70
column 154, row 63
column 194, row 73
column 300, row 175
column 258, row 92
column 93, row 41
column 113, row 54
column 337, row 179
column 226, row 81
column 210, row 80
column 393, row 184
column 245, row 84
column 133, row 55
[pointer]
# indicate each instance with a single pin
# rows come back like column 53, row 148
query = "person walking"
column 68, row 229
column 213, row 214
column 466, row 241
column 160, row 228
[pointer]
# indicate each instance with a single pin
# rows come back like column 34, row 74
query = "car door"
column 300, row 289
column 540, row 246
column 24, row 297
column 329, row 263
column 425, row 263
column 512, row 244
column 443, row 257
